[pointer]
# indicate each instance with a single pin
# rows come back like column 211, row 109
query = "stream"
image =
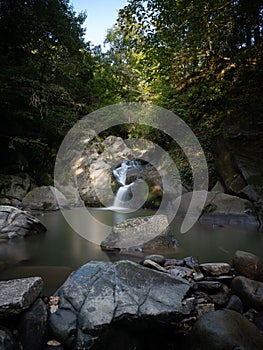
column 55, row 254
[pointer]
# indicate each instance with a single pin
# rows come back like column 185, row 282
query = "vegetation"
column 200, row 59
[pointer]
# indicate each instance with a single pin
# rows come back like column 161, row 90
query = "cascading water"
column 124, row 193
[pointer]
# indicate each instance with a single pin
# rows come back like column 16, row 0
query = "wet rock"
column 221, row 298
column 153, row 265
column 141, row 233
column 249, row 291
column 18, row 223
column 17, row 295
column 248, row 265
column 191, row 262
column 224, row 330
column 159, row 259
column 45, row 198
column 99, row 293
column 173, row 262
column 7, row 340
column 180, row 271
column 33, row 326
column 209, row 286
column 215, row 269
column 198, row 276
column 235, row 304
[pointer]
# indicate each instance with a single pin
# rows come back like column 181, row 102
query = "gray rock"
column 219, row 187
column 215, row 269
column 13, row 188
column 153, row 265
column 221, row 208
column 159, row 259
column 44, row 198
column 221, row 298
column 209, row 286
column 235, row 304
column 141, row 233
column 180, row 271
column 173, row 262
column 224, row 330
column 99, row 293
column 33, row 326
column 7, row 340
column 17, row 295
column 191, row 262
column 238, row 160
column 249, row 291
column 18, row 223
column 248, row 265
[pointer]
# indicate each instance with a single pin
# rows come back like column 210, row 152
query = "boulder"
column 101, row 294
column 221, row 208
column 215, row 269
column 141, row 233
column 248, row 265
column 18, row 223
column 7, row 340
column 33, row 326
column 44, row 198
column 239, row 162
column 17, row 295
column 13, row 188
column 224, row 330
column 249, row 291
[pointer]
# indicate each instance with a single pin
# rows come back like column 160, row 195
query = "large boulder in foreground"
column 18, row 294
column 141, row 233
column 224, row 330
column 99, row 294
column 44, row 198
column 221, row 208
column 18, row 223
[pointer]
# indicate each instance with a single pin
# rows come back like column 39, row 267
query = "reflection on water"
column 60, row 250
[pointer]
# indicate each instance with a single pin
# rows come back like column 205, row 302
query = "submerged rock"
column 17, row 295
column 224, row 330
column 18, row 223
column 101, row 293
column 44, row 198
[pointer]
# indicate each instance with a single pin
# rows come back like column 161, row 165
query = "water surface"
column 60, row 250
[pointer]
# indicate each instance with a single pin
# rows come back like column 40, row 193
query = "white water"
column 123, row 195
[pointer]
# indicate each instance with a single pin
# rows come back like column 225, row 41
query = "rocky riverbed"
column 158, row 303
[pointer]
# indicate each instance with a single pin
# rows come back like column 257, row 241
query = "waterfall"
column 124, row 193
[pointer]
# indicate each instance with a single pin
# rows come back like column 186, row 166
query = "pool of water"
column 55, row 254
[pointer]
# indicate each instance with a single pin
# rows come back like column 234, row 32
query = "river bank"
column 157, row 303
